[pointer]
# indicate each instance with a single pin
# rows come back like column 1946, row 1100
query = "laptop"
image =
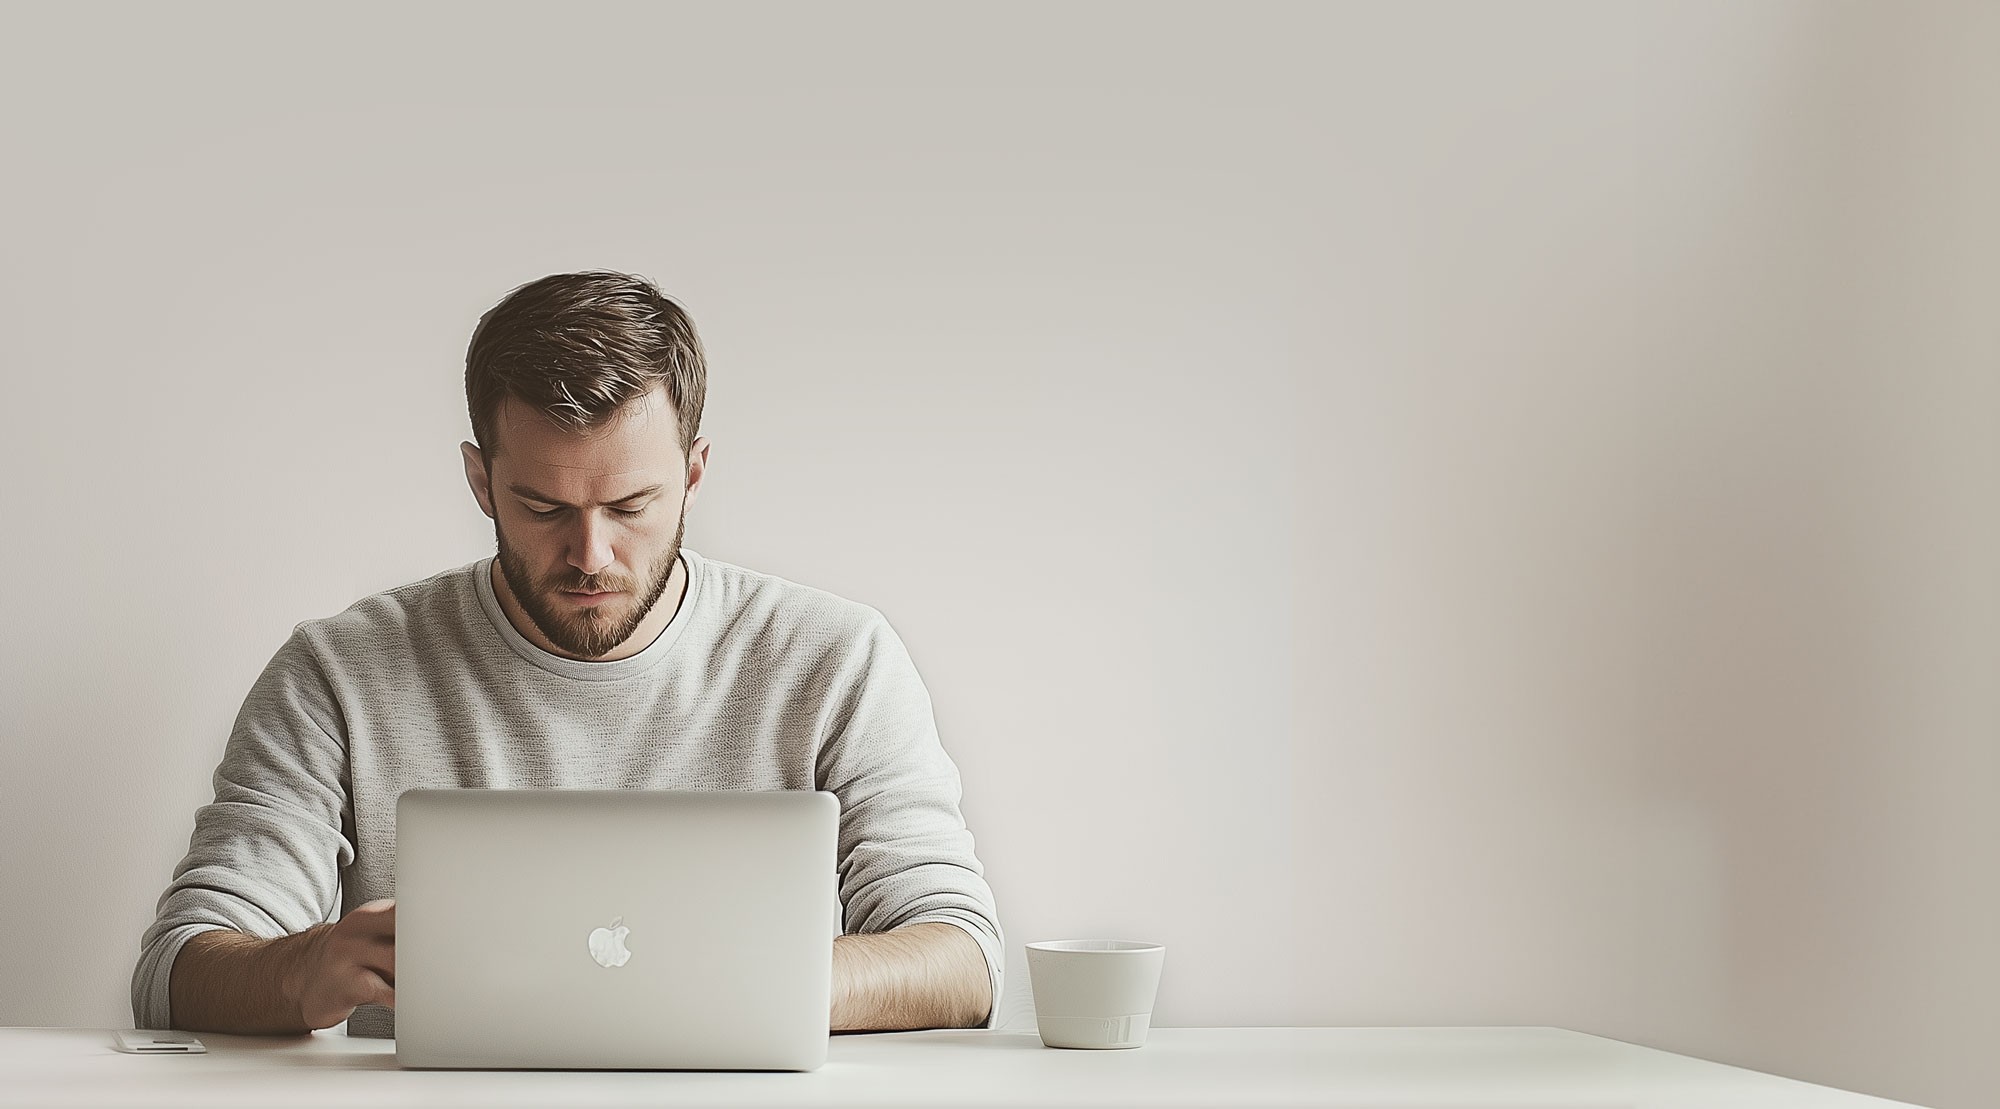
column 615, row 929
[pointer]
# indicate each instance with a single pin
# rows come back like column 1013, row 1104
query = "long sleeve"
column 905, row 854
column 266, row 855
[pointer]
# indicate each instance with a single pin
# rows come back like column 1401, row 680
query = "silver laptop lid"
column 635, row 929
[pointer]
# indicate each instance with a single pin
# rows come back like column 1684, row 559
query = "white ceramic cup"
column 1094, row 993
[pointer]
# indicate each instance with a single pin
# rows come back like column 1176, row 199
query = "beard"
column 586, row 633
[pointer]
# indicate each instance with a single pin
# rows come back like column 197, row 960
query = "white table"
column 1408, row 1068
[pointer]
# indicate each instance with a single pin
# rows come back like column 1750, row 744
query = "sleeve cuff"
column 152, row 993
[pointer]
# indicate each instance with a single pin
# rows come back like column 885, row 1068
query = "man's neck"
column 641, row 638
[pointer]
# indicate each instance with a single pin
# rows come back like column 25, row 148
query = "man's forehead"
column 636, row 444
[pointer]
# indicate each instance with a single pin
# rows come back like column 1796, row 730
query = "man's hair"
column 577, row 347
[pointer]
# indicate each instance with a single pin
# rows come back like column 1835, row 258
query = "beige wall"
column 1822, row 468
column 1469, row 514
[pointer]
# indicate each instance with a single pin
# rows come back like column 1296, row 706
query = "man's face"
column 588, row 524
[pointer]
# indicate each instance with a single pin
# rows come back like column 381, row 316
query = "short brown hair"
column 577, row 347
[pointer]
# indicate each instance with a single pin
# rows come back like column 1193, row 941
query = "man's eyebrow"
column 523, row 491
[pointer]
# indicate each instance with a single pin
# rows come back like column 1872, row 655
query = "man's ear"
column 697, row 467
column 475, row 476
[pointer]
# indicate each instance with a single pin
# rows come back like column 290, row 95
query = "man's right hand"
column 349, row 962
column 225, row 981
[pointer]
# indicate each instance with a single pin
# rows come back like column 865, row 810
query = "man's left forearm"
column 918, row 976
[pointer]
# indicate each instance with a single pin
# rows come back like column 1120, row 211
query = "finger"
column 381, row 991
column 374, row 965
column 374, row 927
column 370, row 924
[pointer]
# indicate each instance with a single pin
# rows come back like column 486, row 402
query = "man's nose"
column 590, row 546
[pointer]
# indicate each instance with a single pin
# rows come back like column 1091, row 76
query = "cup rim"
column 1073, row 947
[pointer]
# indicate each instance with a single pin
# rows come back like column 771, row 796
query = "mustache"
column 594, row 585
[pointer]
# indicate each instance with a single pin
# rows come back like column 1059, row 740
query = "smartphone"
column 150, row 1041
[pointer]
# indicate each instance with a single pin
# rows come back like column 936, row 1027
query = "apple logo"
column 607, row 945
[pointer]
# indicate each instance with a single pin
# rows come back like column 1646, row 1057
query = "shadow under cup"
column 1094, row 993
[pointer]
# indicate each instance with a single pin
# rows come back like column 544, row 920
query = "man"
column 591, row 651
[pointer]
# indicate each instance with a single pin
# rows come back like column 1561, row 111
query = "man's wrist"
column 290, row 967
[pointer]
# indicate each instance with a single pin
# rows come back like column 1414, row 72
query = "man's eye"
column 558, row 511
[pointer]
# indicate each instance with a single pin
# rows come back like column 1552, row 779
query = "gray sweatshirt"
column 758, row 683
